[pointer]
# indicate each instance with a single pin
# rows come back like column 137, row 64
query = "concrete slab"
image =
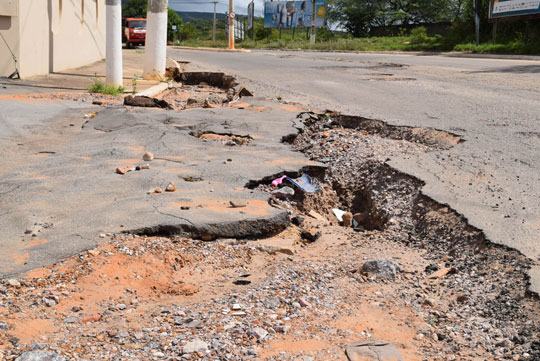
column 60, row 182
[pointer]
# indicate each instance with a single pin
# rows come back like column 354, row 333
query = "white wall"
column 9, row 27
column 52, row 35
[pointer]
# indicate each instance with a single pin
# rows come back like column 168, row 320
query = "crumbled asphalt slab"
column 488, row 294
column 74, row 187
column 454, row 295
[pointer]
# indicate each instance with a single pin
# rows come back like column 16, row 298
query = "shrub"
column 419, row 35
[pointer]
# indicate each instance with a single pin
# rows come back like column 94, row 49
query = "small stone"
column 434, row 337
column 158, row 354
column 76, row 309
column 13, row 282
column 237, row 204
column 304, row 303
column 260, row 333
column 158, row 190
column 171, row 187
column 347, row 219
column 282, row 328
column 310, row 235
column 94, row 318
column 145, row 166
column 121, row 306
column 236, row 307
column 70, row 320
column 49, row 302
column 3, row 326
column 148, row 156
column 297, row 220
column 195, row 346
column 28, row 231
column 184, row 208
column 95, row 252
column 121, row 170
column 419, row 337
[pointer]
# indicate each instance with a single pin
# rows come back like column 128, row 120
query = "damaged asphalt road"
column 61, row 192
column 492, row 177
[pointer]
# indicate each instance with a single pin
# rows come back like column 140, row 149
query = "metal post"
column 214, row 27
column 113, row 51
column 312, row 37
column 231, row 24
column 155, row 51
column 477, row 27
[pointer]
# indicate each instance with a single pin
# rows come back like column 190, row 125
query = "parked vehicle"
column 134, row 32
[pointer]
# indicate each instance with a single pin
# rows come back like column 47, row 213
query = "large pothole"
column 487, row 291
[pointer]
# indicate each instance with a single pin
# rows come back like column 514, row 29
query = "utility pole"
column 232, row 16
column 476, row 6
column 312, row 37
column 113, row 52
column 214, row 27
column 155, row 51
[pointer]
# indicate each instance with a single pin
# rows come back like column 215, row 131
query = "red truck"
column 134, row 32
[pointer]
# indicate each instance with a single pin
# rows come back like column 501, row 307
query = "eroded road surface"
column 492, row 177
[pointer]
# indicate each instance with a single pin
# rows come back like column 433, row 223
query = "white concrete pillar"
column 114, row 42
column 155, row 50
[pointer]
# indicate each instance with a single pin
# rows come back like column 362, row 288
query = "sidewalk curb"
column 217, row 50
column 152, row 91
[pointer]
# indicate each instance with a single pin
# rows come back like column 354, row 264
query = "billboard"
column 500, row 9
column 291, row 14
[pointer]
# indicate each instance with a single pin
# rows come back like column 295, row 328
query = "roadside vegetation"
column 100, row 87
column 382, row 25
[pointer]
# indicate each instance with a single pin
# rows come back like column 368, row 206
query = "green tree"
column 359, row 16
column 173, row 20
column 134, row 9
column 188, row 31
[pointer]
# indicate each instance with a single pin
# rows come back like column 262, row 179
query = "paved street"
column 492, row 177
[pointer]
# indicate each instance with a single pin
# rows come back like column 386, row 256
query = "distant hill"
column 193, row 16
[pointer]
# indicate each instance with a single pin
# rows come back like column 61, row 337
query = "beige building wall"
column 9, row 27
column 55, row 35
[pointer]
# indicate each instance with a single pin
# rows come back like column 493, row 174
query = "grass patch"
column 515, row 47
column 100, row 87
column 418, row 41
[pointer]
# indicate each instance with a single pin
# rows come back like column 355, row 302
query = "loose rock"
column 380, row 267
column 171, row 187
column 195, row 346
column 148, row 156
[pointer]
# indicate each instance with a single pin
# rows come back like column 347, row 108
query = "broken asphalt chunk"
column 373, row 351
column 144, row 101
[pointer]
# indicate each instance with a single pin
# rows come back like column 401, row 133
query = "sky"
column 240, row 6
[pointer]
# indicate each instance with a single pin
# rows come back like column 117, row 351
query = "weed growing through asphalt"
column 100, row 87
